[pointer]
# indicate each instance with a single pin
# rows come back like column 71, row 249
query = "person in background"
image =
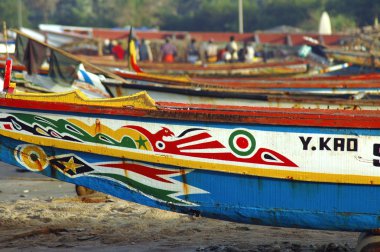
column 168, row 51
column 145, row 51
column 118, row 51
column 226, row 55
column 241, row 54
column 211, row 51
column 202, row 52
column 232, row 48
column 192, row 52
column 247, row 53
column 107, row 47
column 221, row 54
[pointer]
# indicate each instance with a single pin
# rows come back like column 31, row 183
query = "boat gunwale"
column 302, row 117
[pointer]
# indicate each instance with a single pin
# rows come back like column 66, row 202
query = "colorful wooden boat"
column 327, row 97
column 291, row 167
column 272, row 92
column 275, row 68
column 352, row 84
column 335, row 95
column 305, row 168
column 323, row 85
column 361, row 58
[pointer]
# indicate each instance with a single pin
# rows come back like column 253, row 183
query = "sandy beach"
column 38, row 213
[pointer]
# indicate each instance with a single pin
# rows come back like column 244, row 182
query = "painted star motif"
column 71, row 165
column 141, row 142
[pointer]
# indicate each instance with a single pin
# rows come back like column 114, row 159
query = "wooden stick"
column 6, row 38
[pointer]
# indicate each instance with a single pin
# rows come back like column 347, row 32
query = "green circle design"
column 247, row 134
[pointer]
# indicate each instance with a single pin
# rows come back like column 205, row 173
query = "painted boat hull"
column 242, row 87
column 322, row 99
column 276, row 68
column 286, row 97
column 237, row 198
column 355, row 57
column 319, row 177
column 238, row 92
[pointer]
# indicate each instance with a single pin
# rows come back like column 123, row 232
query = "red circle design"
column 242, row 142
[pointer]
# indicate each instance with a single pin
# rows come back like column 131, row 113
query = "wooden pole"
column 241, row 28
column 19, row 13
column 5, row 38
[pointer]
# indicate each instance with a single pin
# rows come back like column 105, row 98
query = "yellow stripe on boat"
column 181, row 78
column 139, row 100
column 164, row 158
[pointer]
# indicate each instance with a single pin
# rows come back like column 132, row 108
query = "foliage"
column 191, row 15
column 363, row 12
column 341, row 22
column 8, row 8
column 43, row 10
column 277, row 12
column 213, row 15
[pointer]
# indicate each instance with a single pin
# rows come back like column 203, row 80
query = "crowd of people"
column 204, row 52
column 208, row 52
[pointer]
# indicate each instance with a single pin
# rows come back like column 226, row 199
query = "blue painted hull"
column 240, row 198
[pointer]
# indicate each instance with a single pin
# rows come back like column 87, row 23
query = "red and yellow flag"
column 132, row 57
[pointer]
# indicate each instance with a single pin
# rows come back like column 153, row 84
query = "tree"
column 362, row 12
column 40, row 11
column 194, row 15
column 8, row 13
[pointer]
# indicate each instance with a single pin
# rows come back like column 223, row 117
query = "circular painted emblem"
column 31, row 157
column 242, row 143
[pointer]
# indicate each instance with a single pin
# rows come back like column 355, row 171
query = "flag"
column 132, row 57
column 132, row 54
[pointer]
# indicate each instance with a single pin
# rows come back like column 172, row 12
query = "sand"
column 38, row 213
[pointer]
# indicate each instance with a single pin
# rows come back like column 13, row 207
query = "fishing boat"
column 335, row 96
column 368, row 83
column 277, row 92
column 237, row 69
column 361, row 58
column 314, row 168
column 276, row 68
column 185, row 89
column 292, row 167
column 304, row 168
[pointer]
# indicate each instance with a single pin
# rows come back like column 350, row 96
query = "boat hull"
column 221, row 195
column 308, row 99
column 250, row 173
